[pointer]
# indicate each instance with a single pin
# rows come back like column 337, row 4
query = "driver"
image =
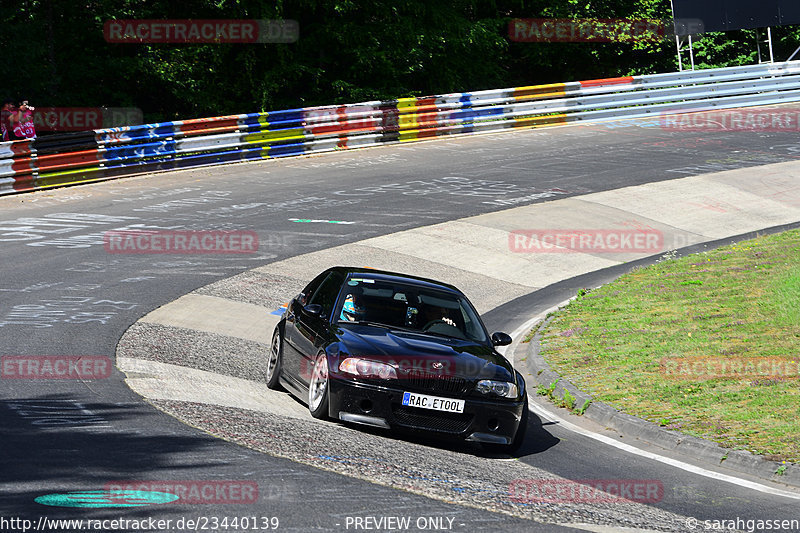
column 434, row 314
column 353, row 309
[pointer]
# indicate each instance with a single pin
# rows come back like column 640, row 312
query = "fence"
column 107, row 153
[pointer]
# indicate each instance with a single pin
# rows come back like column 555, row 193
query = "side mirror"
column 501, row 339
column 314, row 310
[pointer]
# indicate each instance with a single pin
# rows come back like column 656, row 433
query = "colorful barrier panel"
column 80, row 157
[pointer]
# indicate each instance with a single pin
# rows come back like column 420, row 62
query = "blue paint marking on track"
column 107, row 498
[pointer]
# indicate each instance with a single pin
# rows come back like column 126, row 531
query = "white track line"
column 553, row 417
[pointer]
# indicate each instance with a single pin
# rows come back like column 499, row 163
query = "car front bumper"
column 488, row 421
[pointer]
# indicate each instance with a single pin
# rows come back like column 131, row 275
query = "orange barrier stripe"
column 607, row 81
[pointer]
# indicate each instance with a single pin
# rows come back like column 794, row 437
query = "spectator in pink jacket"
column 24, row 128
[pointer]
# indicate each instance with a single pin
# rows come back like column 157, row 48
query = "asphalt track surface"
column 61, row 293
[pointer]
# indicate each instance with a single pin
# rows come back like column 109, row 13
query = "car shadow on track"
column 537, row 440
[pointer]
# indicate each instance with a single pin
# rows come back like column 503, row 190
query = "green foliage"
column 56, row 55
column 585, row 406
column 568, row 400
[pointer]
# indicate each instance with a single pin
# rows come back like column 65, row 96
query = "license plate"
column 434, row 403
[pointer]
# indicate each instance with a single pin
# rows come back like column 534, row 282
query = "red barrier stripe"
column 204, row 124
column 344, row 129
column 607, row 81
column 21, row 147
column 69, row 160
column 207, row 131
column 24, row 183
column 23, row 166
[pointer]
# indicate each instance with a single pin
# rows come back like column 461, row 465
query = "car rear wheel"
column 318, row 389
column 274, row 361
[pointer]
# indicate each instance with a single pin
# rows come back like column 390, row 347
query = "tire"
column 318, row 388
column 522, row 430
column 275, row 361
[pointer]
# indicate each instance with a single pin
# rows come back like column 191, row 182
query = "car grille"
column 436, row 383
column 444, row 422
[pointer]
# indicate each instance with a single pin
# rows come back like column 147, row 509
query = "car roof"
column 385, row 275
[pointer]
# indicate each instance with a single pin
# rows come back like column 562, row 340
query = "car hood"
column 410, row 351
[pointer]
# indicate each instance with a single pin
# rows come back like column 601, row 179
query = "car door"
column 313, row 330
column 291, row 352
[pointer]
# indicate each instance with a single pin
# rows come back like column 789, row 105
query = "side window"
column 311, row 288
column 327, row 292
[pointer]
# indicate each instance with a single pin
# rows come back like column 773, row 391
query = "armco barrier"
column 101, row 154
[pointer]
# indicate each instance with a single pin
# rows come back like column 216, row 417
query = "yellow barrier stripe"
column 538, row 92
column 56, row 179
column 405, row 119
column 274, row 136
column 533, row 122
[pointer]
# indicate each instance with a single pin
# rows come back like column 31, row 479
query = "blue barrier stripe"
column 142, row 150
column 286, row 150
column 471, row 114
column 296, row 115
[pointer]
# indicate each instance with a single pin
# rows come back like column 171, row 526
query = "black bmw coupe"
column 398, row 352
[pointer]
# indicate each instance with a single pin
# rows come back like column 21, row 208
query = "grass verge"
column 707, row 344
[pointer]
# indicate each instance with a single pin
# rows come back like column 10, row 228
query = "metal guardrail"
column 107, row 153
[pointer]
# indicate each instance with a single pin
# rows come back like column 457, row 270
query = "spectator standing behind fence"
column 8, row 118
column 24, row 128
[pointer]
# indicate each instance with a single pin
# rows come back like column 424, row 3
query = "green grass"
column 707, row 344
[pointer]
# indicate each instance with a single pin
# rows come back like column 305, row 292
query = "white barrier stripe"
column 335, row 127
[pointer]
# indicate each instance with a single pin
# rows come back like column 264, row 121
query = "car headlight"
column 365, row 368
column 500, row 388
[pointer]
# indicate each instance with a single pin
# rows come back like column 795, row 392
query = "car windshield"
column 409, row 307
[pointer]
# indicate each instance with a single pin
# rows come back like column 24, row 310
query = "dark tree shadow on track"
column 56, row 445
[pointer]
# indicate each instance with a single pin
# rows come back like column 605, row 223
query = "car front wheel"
column 274, row 360
column 318, row 389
